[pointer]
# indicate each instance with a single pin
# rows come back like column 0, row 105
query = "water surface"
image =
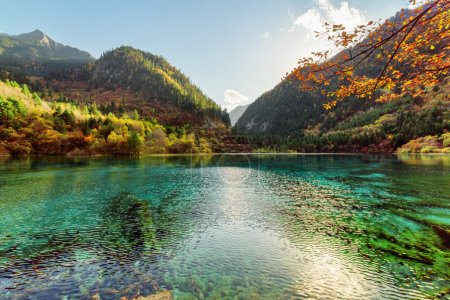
column 226, row 227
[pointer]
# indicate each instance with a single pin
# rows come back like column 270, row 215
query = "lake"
column 226, row 227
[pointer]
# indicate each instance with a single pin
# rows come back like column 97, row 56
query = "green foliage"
column 204, row 146
column 10, row 109
column 67, row 128
column 446, row 139
column 182, row 144
column 134, row 142
column 63, row 120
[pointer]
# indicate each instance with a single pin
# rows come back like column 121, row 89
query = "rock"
column 96, row 296
column 162, row 295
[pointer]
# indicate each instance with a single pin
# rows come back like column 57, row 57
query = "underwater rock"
column 444, row 234
column 96, row 296
column 162, row 295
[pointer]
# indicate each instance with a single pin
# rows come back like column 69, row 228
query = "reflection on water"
column 421, row 159
column 226, row 227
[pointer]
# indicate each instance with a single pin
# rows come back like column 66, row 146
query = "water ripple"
column 228, row 227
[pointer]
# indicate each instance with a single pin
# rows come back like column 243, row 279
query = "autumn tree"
column 407, row 52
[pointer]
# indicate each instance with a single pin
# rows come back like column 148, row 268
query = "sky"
column 234, row 50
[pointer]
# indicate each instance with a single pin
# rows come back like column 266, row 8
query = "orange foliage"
column 412, row 49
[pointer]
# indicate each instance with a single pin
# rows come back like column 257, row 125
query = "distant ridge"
column 236, row 113
column 18, row 51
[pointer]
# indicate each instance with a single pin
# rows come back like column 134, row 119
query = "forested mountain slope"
column 289, row 117
column 126, row 77
column 141, row 79
column 153, row 78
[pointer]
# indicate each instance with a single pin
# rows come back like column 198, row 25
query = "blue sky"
column 234, row 50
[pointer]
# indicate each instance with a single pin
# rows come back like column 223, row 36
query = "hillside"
column 160, row 107
column 291, row 118
column 127, row 79
column 124, row 79
column 286, row 118
column 32, row 125
column 236, row 113
column 153, row 78
column 279, row 112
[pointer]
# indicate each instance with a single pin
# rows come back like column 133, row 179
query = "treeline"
column 31, row 125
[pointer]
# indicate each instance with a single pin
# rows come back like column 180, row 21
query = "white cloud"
column 265, row 36
column 233, row 98
column 311, row 20
column 315, row 18
column 416, row 4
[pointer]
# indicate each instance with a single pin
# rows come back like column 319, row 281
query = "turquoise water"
column 226, row 227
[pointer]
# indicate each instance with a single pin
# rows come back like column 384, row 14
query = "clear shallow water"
column 226, row 227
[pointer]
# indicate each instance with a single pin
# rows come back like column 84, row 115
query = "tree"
column 14, row 142
column 412, row 51
column 134, row 142
column 10, row 108
column 158, row 141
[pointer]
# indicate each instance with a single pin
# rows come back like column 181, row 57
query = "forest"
column 407, row 125
column 31, row 125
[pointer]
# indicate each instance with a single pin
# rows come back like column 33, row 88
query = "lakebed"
column 226, row 227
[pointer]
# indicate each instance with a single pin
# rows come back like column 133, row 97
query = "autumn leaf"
column 401, row 47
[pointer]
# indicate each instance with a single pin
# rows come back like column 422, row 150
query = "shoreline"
column 229, row 154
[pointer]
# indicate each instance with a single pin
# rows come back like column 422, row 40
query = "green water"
column 226, row 227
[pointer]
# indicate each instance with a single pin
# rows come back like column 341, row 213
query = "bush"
column 446, row 139
column 428, row 149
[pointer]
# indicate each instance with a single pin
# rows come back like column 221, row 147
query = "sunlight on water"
column 225, row 227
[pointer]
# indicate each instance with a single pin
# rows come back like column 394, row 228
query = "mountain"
column 37, row 54
column 36, row 45
column 154, row 78
column 236, row 113
column 38, row 37
column 289, row 118
column 127, row 96
column 136, row 79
